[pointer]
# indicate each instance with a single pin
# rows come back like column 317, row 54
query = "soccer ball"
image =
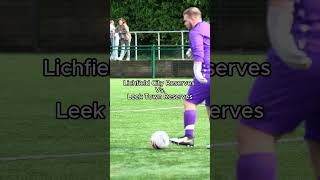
column 159, row 140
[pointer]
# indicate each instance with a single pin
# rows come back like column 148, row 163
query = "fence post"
column 153, row 61
column 135, row 44
column 182, row 45
column 159, row 46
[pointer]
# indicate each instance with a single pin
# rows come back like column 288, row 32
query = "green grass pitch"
column 131, row 154
column 29, row 129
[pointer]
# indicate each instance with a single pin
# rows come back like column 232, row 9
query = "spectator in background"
column 114, row 37
column 125, row 39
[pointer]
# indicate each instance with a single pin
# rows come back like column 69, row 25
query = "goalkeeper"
column 199, row 37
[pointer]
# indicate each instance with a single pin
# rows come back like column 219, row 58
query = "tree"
column 154, row 15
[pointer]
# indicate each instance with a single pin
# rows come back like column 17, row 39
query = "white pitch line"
column 150, row 109
column 57, row 156
column 229, row 144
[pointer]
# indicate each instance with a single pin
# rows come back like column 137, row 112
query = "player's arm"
column 197, row 66
column 280, row 20
column 196, row 45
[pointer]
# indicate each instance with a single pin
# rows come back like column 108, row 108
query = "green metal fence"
column 153, row 49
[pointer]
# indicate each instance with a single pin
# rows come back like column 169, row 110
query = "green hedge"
column 154, row 15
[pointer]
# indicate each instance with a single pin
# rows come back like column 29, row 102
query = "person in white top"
column 114, row 37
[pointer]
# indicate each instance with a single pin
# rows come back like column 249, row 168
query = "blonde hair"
column 192, row 11
column 123, row 20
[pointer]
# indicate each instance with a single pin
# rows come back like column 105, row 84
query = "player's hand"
column 299, row 61
column 189, row 53
column 203, row 80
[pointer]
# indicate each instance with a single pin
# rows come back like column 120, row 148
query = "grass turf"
column 131, row 154
column 29, row 127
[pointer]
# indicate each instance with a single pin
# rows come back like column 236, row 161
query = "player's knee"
column 314, row 148
column 189, row 106
column 252, row 140
column 314, row 145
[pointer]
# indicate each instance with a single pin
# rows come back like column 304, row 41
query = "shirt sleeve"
column 126, row 27
column 196, row 44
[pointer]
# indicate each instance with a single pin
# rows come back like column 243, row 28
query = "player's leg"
column 199, row 93
column 252, row 140
column 257, row 159
column 190, row 111
column 257, row 137
column 312, row 136
column 189, row 116
column 282, row 114
column 314, row 148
